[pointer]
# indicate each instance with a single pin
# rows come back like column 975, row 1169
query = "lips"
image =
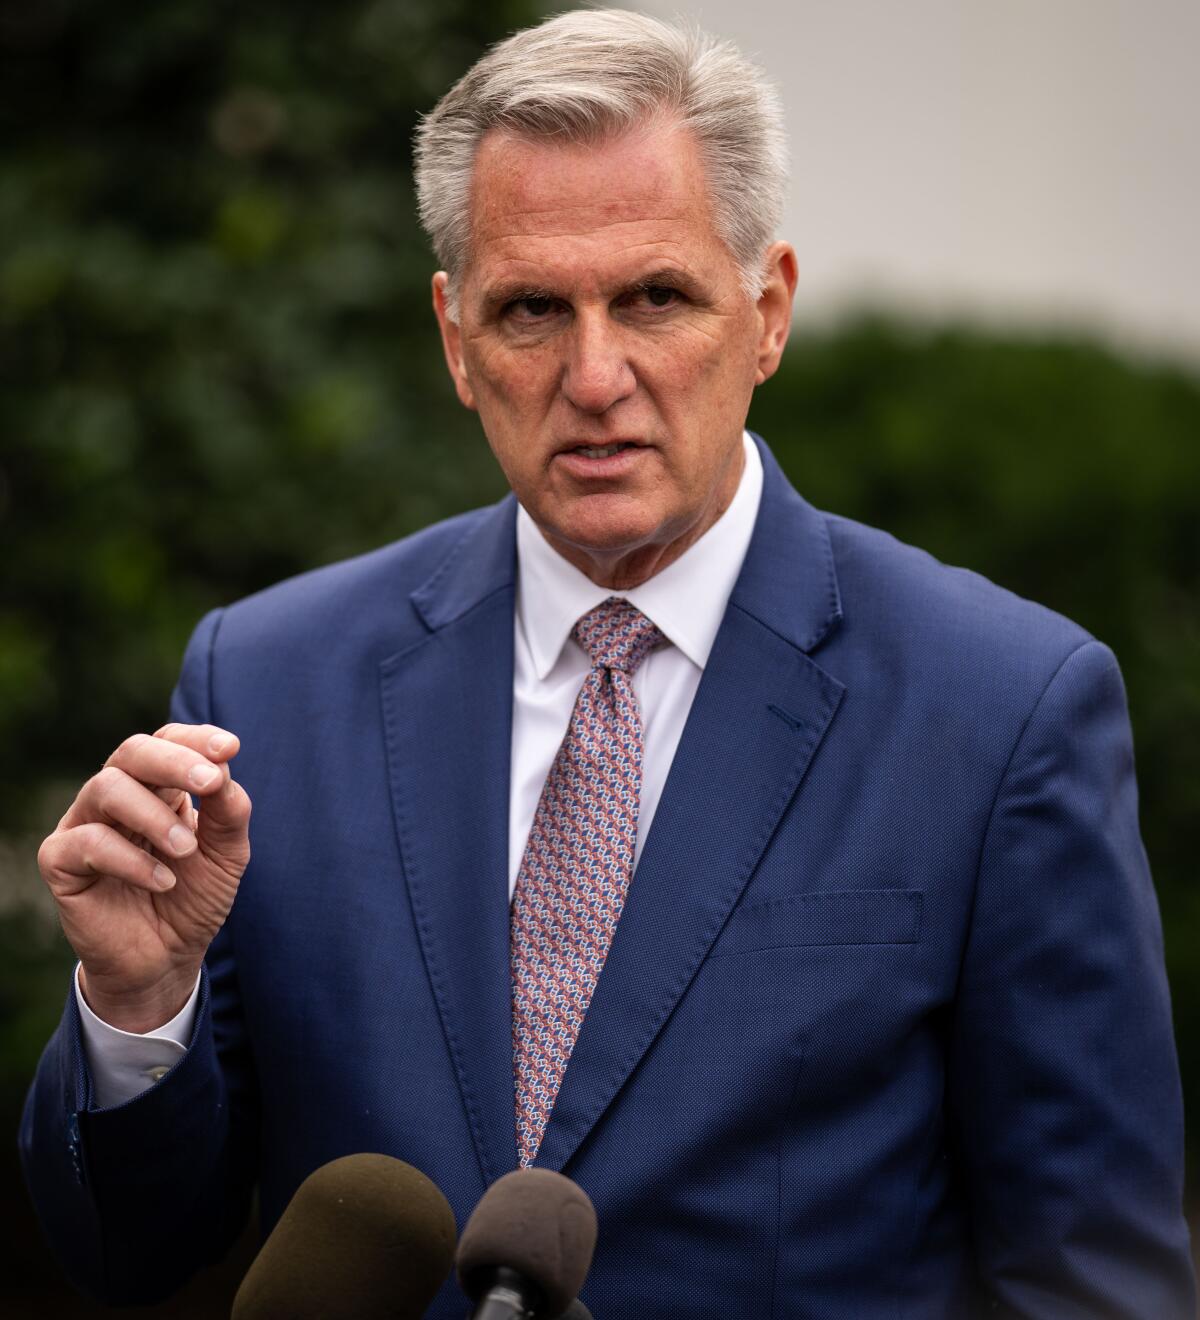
column 616, row 460
column 606, row 450
column 588, row 451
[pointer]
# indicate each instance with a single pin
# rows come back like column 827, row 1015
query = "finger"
column 72, row 860
column 175, row 798
column 168, row 763
column 112, row 797
column 210, row 740
column 225, row 815
column 186, row 812
column 225, row 809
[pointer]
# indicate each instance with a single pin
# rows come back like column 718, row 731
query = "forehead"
column 642, row 195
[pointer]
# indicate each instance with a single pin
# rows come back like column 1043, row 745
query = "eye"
column 659, row 295
column 533, row 307
column 652, row 299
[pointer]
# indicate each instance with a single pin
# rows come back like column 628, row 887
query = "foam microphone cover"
column 538, row 1223
column 366, row 1237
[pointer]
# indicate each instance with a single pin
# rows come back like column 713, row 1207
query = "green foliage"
column 34, row 977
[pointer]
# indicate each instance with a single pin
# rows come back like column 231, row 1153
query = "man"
column 776, row 883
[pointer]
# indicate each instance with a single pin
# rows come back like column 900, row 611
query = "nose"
column 597, row 373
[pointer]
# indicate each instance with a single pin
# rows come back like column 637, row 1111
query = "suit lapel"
column 759, row 715
column 447, row 705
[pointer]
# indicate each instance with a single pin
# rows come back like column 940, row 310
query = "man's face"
column 606, row 342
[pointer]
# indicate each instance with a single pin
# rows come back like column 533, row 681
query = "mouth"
column 599, row 466
column 599, row 451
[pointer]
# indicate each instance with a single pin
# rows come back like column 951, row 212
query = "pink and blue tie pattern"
column 575, row 872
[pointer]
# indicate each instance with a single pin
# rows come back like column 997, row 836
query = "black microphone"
column 366, row 1237
column 525, row 1252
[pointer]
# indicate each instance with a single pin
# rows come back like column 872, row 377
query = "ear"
column 451, row 341
column 775, row 308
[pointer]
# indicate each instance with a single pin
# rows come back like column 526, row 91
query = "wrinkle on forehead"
column 526, row 249
column 576, row 220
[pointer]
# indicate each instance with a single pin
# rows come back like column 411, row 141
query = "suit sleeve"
column 1063, row 1084
column 135, row 1198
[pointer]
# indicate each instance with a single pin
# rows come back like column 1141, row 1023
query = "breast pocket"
column 850, row 916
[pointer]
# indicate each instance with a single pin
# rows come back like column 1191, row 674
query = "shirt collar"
column 686, row 601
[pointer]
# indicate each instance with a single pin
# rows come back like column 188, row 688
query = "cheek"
column 705, row 378
column 497, row 359
column 711, row 347
column 513, row 385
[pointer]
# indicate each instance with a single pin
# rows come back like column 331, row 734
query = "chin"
column 604, row 537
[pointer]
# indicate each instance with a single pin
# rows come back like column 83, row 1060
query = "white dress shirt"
column 686, row 601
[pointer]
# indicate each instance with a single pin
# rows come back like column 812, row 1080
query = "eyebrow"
column 669, row 277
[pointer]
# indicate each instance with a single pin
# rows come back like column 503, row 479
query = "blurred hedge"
column 218, row 367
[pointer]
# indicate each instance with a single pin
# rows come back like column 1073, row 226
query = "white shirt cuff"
column 123, row 1064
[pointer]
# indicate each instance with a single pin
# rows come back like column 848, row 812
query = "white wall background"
column 1034, row 161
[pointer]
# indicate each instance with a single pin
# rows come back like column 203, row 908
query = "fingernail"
column 162, row 877
column 218, row 743
column 181, row 840
column 201, row 776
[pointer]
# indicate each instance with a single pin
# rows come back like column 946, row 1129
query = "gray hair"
column 593, row 73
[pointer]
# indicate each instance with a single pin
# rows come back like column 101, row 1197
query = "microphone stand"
column 504, row 1299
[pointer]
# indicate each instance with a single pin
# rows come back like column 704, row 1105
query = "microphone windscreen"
column 538, row 1223
column 366, row 1237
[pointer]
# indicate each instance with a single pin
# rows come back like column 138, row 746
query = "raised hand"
column 142, row 880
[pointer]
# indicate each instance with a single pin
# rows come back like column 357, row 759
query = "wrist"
column 138, row 1009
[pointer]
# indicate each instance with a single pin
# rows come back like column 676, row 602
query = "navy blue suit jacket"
column 884, row 1030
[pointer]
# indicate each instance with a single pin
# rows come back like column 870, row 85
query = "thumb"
column 223, row 817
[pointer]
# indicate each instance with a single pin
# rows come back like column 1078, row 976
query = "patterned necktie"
column 576, row 868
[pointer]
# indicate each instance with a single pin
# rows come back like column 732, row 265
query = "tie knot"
column 616, row 635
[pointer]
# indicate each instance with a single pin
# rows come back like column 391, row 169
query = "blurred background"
column 218, row 366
